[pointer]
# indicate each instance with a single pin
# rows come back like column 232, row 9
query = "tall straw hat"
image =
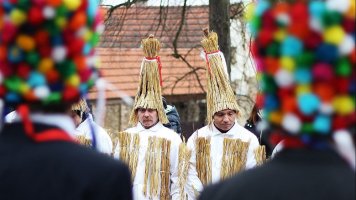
column 149, row 93
column 220, row 95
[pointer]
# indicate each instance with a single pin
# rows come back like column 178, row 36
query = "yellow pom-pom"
column 250, row 10
column 25, row 42
column 288, row 63
column 72, row 4
column 343, row 105
column 24, row 88
column 303, row 89
column 275, row 117
column 61, row 22
column 73, row 80
column 280, row 35
column 17, row 17
column 351, row 12
column 45, row 65
column 334, row 35
column 88, row 35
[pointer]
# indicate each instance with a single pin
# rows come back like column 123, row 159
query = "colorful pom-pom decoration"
column 305, row 52
column 46, row 50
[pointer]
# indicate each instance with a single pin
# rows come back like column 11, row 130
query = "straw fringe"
column 157, row 168
column 203, row 161
column 234, row 157
column 220, row 95
column 129, row 150
column 81, row 139
column 165, row 169
column 183, row 167
column 260, row 154
column 149, row 94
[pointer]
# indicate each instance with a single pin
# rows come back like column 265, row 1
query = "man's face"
column 224, row 119
column 75, row 115
column 147, row 117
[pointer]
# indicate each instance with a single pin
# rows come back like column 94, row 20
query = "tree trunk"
column 219, row 21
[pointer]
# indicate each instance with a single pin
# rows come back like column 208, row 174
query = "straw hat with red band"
column 149, row 91
column 46, row 49
column 305, row 54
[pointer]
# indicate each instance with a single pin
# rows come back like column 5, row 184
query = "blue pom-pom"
column 327, row 53
column 56, row 40
column 291, row 46
column 302, row 76
column 317, row 8
column 271, row 102
column 15, row 54
column 322, row 124
column 308, row 103
column 83, row 88
column 86, row 49
column 12, row 97
column 261, row 7
column 92, row 8
column 36, row 79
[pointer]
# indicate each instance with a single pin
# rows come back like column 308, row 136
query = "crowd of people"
column 52, row 148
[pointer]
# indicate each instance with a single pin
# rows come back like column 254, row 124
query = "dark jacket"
column 293, row 175
column 57, row 170
column 173, row 118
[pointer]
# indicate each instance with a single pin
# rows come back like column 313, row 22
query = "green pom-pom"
column 66, row 69
column 331, row 18
column 33, row 59
column 13, row 83
column 273, row 49
column 53, row 98
column 306, row 59
column 307, row 128
column 268, row 84
column 343, row 68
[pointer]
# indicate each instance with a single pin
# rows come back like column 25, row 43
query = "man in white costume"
column 223, row 147
column 86, row 127
column 150, row 149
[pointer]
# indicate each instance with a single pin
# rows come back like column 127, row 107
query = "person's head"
column 47, row 57
column 147, row 117
column 224, row 119
column 305, row 54
column 79, row 111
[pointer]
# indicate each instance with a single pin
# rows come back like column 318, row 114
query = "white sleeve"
column 193, row 186
column 254, row 144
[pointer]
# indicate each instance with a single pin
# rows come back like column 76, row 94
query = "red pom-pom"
column 42, row 38
column 2, row 91
column 3, row 53
column 45, row 51
column 35, row 15
column 313, row 40
column 339, row 122
column 75, row 47
column 52, row 76
column 23, row 70
column 8, row 35
column 271, row 64
column 342, row 85
column 265, row 37
column 70, row 94
column 324, row 91
column 84, row 74
column 78, row 20
column 349, row 25
column 353, row 56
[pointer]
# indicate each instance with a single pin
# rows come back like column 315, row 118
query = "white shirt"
column 216, row 151
column 159, row 131
column 103, row 140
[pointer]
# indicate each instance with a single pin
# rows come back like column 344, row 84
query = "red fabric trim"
column 159, row 68
column 44, row 136
column 207, row 60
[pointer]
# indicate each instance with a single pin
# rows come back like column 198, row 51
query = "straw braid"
column 81, row 139
column 203, row 161
column 260, row 154
column 165, row 169
column 234, row 157
column 129, row 145
column 183, row 167
column 220, row 95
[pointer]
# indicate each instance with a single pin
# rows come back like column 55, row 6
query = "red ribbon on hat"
column 207, row 59
column 44, row 136
column 159, row 68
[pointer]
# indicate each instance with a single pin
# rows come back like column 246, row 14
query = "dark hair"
column 164, row 101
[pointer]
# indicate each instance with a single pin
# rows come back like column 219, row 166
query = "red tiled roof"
column 121, row 56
